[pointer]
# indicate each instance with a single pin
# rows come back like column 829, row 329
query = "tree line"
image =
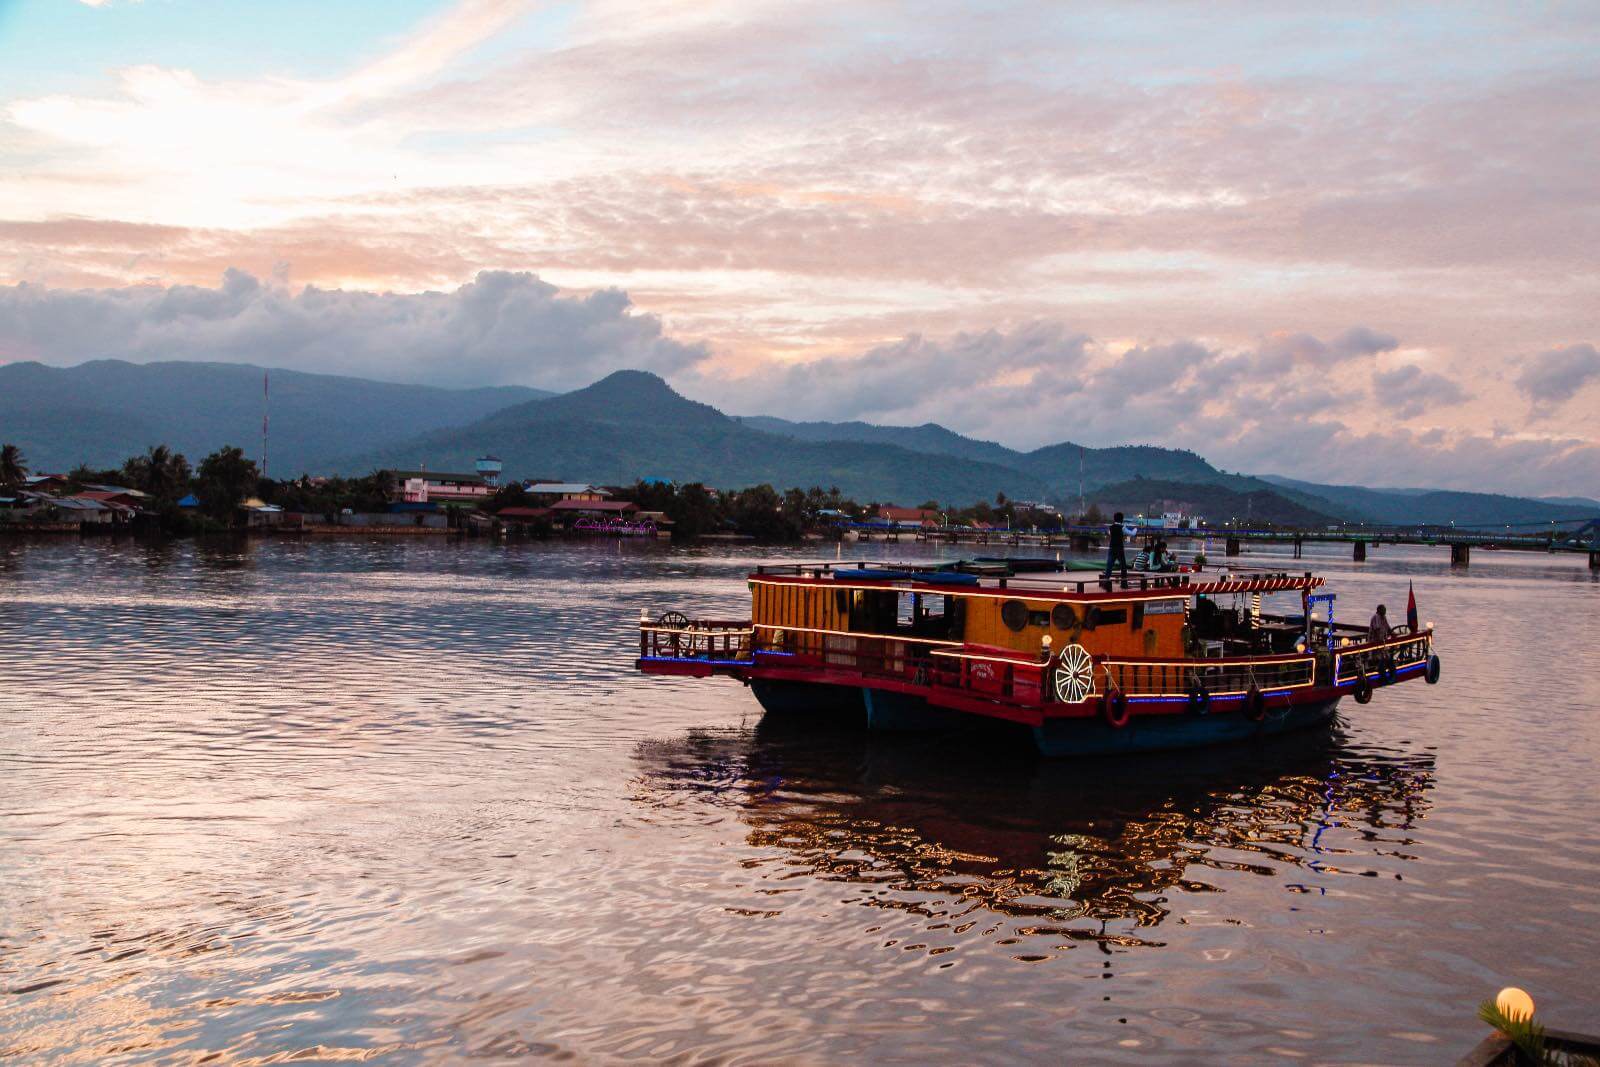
column 223, row 480
column 226, row 478
column 768, row 515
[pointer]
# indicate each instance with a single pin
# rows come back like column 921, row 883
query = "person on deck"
column 1379, row 629
column 1117, row 554
column 1163, row 560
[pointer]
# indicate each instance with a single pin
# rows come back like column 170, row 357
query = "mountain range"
column 101, row 412
column 633, row 425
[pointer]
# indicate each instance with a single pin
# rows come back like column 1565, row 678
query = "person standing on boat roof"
column 1117, row 554
column 1379, row 629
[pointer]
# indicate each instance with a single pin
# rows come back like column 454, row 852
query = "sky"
column 1350, row 243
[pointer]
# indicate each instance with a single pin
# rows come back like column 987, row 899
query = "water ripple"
column 408, row 803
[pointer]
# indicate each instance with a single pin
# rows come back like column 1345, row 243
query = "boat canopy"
column 984, row 578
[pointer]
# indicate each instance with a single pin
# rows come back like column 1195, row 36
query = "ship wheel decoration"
column 1074, row 675
column 674, row 622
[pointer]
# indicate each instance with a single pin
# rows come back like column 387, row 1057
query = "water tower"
column 489, row 468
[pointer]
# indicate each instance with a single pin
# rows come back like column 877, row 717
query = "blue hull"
column 806, row 698
column 903, row 713
column 890, row 712
column 1157, row 733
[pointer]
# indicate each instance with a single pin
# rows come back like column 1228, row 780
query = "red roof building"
column 127, row 500
column 594, row 507
column 908, row 516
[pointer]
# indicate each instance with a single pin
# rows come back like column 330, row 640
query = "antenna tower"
column 266, row 398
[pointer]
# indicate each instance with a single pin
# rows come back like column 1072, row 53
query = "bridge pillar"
column 1233, row 546
column 1460, row 555
column 1594, row 559
column 1299, row 547
column 1361, row 552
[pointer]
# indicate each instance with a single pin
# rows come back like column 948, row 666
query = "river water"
column 409, row 802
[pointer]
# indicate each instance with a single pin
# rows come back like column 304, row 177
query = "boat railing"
column 1217, row 677
column 992, row 674
column 999, row 675
column 1008, row 676
column 675, row 636
column 1377, row 657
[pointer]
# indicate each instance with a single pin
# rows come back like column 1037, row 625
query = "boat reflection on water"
column 1076, row 851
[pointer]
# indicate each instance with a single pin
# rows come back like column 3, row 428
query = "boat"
column 1086, row 664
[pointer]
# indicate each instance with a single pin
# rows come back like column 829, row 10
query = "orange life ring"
column 1114, row 706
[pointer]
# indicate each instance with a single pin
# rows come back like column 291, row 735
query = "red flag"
column 1411, row 607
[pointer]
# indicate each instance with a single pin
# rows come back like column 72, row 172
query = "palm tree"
column 12, row 465
column 159, row 472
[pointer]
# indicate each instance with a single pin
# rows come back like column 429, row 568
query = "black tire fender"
column 1255, row 704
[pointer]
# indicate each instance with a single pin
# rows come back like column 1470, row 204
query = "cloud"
column 1331, row 451
column 501, row 328
column 1550, row 378
column 1324, row 409
column 1044, row 381
column 1290, row 403
column 1409, row 390
column 958, row 378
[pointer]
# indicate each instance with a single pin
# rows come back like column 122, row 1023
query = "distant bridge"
column 1551, row 538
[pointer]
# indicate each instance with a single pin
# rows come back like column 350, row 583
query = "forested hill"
column 1056, row 466
column 1435, row 507
column 1219, row 504
column 631, row 425
column 101, row 412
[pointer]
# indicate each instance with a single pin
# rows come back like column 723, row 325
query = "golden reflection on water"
column 1082, row 852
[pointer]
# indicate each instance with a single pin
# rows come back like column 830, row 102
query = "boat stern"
column 676, row 645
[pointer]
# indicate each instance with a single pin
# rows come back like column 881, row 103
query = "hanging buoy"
column 1363, row 691
column 1114, row 706
column 1432, row 674
column 1255, row 704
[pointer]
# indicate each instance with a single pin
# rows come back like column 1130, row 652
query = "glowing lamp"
column 644, row 615
column 1430, row 625
column 1300, row 645
column 1344, row 642
column 1514, row 1003
column 1045, row 640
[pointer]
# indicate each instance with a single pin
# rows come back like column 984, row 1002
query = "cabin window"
column 1064, row 617
column 1038, row 618
column 874, row 611
column 1136, row 616
column 1098, row 616
column 955, row 617
column 1014, row 613
column 905, row 613
column 936, row 616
